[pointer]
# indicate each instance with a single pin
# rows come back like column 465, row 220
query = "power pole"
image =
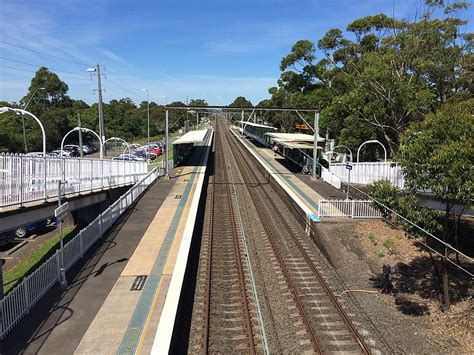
column 80, row 134
column 101, row 112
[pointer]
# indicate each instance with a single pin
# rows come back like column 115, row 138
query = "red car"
column 157, row 151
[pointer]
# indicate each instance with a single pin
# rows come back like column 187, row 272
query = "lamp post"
column 372, row 141
column 315, row 142
column 23, row 117
column 349, row 172
column 166, row 143
column 23, row 112
column 148, row 120
column 367, row 142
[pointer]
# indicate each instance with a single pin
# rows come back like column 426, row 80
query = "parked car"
column 26, row 230
column 85, row 149
column 61, row 153
column 131, row 157
column 34, row 154
column 75, row 152
column 156, row 151
column 142, row 154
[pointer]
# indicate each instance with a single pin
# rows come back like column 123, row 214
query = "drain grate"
column 138, row 283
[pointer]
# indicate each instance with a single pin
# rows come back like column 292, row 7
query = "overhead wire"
column 44, row 54
column 39, row 66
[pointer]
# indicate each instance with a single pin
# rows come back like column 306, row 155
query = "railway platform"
column 307, row 190
column 149, row 286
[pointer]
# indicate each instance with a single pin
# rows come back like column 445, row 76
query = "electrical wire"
column 39, row 66
column 45, row 54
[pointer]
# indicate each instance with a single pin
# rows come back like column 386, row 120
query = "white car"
column 34, row 154
column 63, row 153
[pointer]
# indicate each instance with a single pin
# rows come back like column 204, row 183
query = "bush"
column 387, row 194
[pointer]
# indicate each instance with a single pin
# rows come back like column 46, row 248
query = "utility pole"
column 101, row 112
column 80, row 134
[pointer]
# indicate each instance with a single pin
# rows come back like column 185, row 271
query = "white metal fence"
column 26, row 179
column 18, row 302
column 330, row 178
column 366, row 173
column 348, row 208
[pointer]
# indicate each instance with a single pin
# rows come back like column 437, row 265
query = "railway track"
column 228, row 305
column 313, row 320
column 329, row 327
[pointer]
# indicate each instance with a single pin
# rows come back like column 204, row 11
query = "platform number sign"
column 349, row 166
column 61, row 212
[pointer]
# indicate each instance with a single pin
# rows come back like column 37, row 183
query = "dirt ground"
column 409, row 314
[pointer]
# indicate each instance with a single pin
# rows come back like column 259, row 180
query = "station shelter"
column 297, row 147
column 183, row 146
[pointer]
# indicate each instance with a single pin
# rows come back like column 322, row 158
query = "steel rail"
column 333, row 299
column 248, row 320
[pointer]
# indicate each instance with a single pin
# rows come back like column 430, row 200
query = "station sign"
column 349, row 166
column 301, row 126
column 61, row 212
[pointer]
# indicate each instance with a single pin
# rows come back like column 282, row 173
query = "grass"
column 372, row 239
column 34, row 259
column 381, row 254
column 389, row 243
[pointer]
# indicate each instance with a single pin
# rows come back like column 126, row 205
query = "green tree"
column 437, row 154
column 241, row 101
column 197, row 102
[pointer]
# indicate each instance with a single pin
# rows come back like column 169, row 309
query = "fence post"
column 100, row 224
column 21, row 181
column 352, row 209
column 45, row 184
column 25, row 294
column 81, row 245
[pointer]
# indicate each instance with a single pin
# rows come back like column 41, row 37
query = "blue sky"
column 216, row 50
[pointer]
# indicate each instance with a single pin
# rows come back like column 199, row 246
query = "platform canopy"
column 294, row 145
column 248, row 123
column 192, row 137
column 293, row 137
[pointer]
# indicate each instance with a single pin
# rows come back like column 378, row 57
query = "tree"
column 197, row 102
column 437, row 154
column 241, row 101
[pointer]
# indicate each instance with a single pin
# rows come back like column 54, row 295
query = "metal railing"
column 25, row 179
column 361, row 209
column 18, row 301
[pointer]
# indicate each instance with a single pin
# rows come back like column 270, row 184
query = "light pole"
column 372, row 141
column 148, row 118
column 367, row 142
column 166, row 143
column 348, row 168
column 315, row 142
column 99, row 90
column 23, row 112
column 80, row 129
column 23, row 117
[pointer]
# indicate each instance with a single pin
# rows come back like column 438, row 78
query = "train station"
column 228, row 178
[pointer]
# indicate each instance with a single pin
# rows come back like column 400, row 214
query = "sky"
column 209, row 49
